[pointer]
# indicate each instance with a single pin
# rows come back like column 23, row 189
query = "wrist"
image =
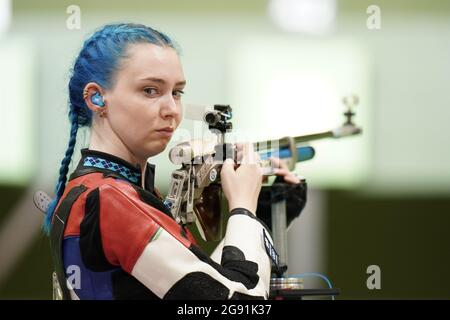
column 243, row 205
column 242, row 211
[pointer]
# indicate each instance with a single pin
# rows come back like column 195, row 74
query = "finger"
column 275, row 162
column 227, row 166
column 248, row 155
column 278, row 163
column 287, row 176
column 238, row 150
column 239, row 155
column 291, row 179
column 281, row 172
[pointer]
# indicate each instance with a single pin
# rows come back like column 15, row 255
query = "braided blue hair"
column 97, row 62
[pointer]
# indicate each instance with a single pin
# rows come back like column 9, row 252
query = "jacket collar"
column 97, row 161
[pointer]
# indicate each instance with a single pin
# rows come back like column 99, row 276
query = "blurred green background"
column 382, row 198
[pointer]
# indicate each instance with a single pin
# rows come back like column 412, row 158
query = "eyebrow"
column 162, row 81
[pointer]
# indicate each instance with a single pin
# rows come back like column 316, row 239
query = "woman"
column 108, row 225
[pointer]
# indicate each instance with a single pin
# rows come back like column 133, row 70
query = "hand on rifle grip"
column 242, row 185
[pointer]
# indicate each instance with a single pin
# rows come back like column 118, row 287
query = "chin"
column 157, row 148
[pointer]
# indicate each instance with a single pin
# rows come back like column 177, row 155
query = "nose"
column 170, row 107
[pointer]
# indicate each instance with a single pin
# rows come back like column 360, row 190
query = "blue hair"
column 97, row 62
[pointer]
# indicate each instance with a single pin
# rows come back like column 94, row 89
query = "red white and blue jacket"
column 124, row 244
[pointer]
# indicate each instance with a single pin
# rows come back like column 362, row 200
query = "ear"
column 89, row 90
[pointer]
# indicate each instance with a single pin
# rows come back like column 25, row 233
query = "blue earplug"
column 97, row 99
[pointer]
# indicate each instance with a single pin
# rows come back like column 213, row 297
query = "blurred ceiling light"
column 5, row 15
column 308, row 16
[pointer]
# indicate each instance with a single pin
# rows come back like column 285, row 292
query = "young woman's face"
column 144, row 105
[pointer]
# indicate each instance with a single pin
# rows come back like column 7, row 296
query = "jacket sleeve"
column 151, row 246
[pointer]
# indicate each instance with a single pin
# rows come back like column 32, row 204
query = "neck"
column 113, row 145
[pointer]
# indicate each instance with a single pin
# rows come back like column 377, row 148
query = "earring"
column 102, row 113
column 85, row 93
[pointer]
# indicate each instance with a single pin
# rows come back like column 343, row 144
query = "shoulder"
column 99, row 193
column 118, row 203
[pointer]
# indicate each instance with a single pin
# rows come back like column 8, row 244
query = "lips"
column 166, row 132
column 166, row 129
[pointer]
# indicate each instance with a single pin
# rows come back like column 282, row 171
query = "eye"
column 178, row 93
column 150, row 91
